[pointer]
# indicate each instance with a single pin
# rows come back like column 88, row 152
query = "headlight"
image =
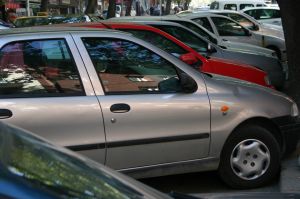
column 294, row 110
column 267, row 80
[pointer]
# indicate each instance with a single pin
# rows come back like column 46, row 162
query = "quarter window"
column 243, row 6
column 125, row 67
column 38, row 68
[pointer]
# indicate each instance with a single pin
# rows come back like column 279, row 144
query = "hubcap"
column 250, row 159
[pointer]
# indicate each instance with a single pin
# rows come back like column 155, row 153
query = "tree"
column 128, row 8
column 44, row 5
column 290, row 16
column 111, row 9
column 168, row 7
column 91, row 7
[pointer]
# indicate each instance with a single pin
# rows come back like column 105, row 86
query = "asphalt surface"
column 209, row 183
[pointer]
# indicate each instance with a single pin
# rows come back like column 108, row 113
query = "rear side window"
column 203, row 21
column 159, row 41
column 267, row 14
column 227, row 27
column 230, row 7
column 38, row 68
column 243, row 6
column 128, row 68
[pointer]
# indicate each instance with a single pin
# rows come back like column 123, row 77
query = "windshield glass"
column 29, row 160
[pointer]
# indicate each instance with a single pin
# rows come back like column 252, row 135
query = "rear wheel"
column 250, row 158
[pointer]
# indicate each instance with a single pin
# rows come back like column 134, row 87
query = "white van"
column 236, row 5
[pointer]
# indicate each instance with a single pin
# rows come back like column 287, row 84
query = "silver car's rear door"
column 46, row 90
column 144, row 125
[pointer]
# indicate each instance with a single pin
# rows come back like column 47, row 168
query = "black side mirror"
column 211, row 48
column 248, row 33
column 255, row 27
column 188, row 84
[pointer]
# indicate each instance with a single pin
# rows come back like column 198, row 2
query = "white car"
column 236, row 4
column 270, row 15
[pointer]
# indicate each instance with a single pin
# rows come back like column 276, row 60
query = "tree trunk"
column 44, row 6
column 91, row 7
column 168, row 7
column 111, row 9
column 290, row 16
column 128, row 8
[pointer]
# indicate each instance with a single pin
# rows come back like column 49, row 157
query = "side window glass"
column 230, row 7
column 203, row 21
column 187, row 37
column 227, row 27
column 214, row 6
column 125, row 67
column 159, row 41
column 243, row 6
column 38, row 68
column 242, row 20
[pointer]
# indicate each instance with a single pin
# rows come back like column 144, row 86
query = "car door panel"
column 71, row 121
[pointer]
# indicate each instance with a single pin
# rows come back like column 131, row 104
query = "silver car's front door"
column 46, row 90
column 147, row 119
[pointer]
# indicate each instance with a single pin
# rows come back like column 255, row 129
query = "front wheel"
column 250, row 158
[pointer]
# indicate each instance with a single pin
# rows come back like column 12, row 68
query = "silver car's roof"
column 50, row 29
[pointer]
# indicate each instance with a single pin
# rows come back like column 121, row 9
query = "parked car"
column 204, row 33
column 31, row 21
column 126, row 103
column 236, row 5
column 186, row 54
column 268, row 64
column 269, row 15
column 31, row 168
column 228, row 29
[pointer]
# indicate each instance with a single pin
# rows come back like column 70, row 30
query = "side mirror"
column 211, row 48
column 255, row 27
column 188, row 84
column 188, row 58
column 248, row 33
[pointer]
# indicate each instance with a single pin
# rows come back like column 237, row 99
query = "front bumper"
column 290, row 129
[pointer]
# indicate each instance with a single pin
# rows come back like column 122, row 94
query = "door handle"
column 120, row 108
column 5, row 113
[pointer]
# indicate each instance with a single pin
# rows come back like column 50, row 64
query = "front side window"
column 242, row 20
column 203, row 21
column 198, row 30
column 227, row 27
column 127, row 68
column 38, row 68
column 243, row 6
column 214, row 5
column 186, row 37
column 159, row 41
column 230, row 7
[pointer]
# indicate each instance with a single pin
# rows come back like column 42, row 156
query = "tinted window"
column 230, row 7
column 41, row 68
column 203, row 21
column 243, row 6
column 267, row 14
column 227, row 27
column 125, row 67
column 198, row 30
column 41, row 166
column 186, row 37
column 241, row 19
column 259, row 5
column 159, row 41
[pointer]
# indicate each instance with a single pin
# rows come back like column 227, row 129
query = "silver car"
column 135, row 108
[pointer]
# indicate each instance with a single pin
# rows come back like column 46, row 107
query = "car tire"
column 250, row 158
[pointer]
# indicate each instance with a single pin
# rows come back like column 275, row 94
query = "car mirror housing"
column 188, row 58
column 188, row 84
column 211, row 48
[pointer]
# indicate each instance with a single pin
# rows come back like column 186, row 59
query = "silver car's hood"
column 243, row 47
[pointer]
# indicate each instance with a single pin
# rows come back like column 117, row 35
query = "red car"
column 172, row 45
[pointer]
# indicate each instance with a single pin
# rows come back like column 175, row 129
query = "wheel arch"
column 276, row 49
column 263, row 122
